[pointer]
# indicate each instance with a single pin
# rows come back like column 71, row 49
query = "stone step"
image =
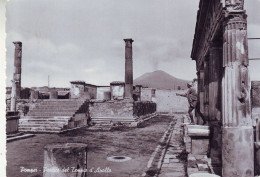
column 51, row 114
column 39, row 129
column 43, row 121
column 59, row 104
column 64, row 102
column 108, row 121
column 59, row 125
column 55, row 109
column 57, row 113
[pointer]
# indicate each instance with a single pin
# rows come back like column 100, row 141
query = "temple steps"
column 54, row 116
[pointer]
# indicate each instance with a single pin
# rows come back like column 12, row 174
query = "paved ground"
column 174, row 163
column 137, row 143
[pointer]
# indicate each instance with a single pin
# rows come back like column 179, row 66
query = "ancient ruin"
column 88, row 103
column 87, row 126
column 221, row 53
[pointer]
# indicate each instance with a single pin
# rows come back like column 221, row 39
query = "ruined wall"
column 146, row 94
column 112, row 108
column 102, row 92
column 166, row 100
column 143, row 108
column 23, row 105
column 121, row 109
column 92, row 90
column 117, row 92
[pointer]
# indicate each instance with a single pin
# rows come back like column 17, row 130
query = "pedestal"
column 65, row 160
column 237, row 151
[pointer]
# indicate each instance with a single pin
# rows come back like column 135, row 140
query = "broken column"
column 65, row 159
column 237, row 134
column 16, row 82
column 128, row 68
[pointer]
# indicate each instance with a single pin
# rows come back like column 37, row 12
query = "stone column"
column 206, row 88
column 128, row 68
column 215, row 71
column 237, row 134
column 13, row 96
column 16, row 82
column 17, row 67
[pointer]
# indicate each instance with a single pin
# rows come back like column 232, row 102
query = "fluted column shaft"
column 237, row 134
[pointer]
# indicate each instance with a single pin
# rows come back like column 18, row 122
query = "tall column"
column 215, row 75
column 237, row 133
column 128, row 68
column 16, row 82
column 17, row 67
column 206, row 88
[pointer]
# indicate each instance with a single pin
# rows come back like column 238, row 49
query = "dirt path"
column 137, row 143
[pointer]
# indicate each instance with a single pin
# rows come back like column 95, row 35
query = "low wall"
column 113, row 108
column 124, row 111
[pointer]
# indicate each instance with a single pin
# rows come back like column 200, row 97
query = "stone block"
column 192, row 161
column 199, row 146
column 134, row 124
column 203, row 159
column 203, row 167
column 198, row 130
column 191, row 170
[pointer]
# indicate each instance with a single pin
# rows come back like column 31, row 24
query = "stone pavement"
column 173, row 165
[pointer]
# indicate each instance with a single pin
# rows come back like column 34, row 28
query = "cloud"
column 83, row 39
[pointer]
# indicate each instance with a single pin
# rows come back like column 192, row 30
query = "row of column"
column 224, row 93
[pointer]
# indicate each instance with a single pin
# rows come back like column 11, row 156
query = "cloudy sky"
column 83, row 39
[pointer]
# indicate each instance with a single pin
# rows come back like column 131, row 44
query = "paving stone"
column 172, row 166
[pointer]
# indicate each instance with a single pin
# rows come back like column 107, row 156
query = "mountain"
column 160, row 80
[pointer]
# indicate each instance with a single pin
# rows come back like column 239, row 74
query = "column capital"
column 17, row 44
column 128, row 42
column 234, row 4
column 235, row 20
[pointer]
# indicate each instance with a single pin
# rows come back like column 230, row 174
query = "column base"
column 238, row 151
